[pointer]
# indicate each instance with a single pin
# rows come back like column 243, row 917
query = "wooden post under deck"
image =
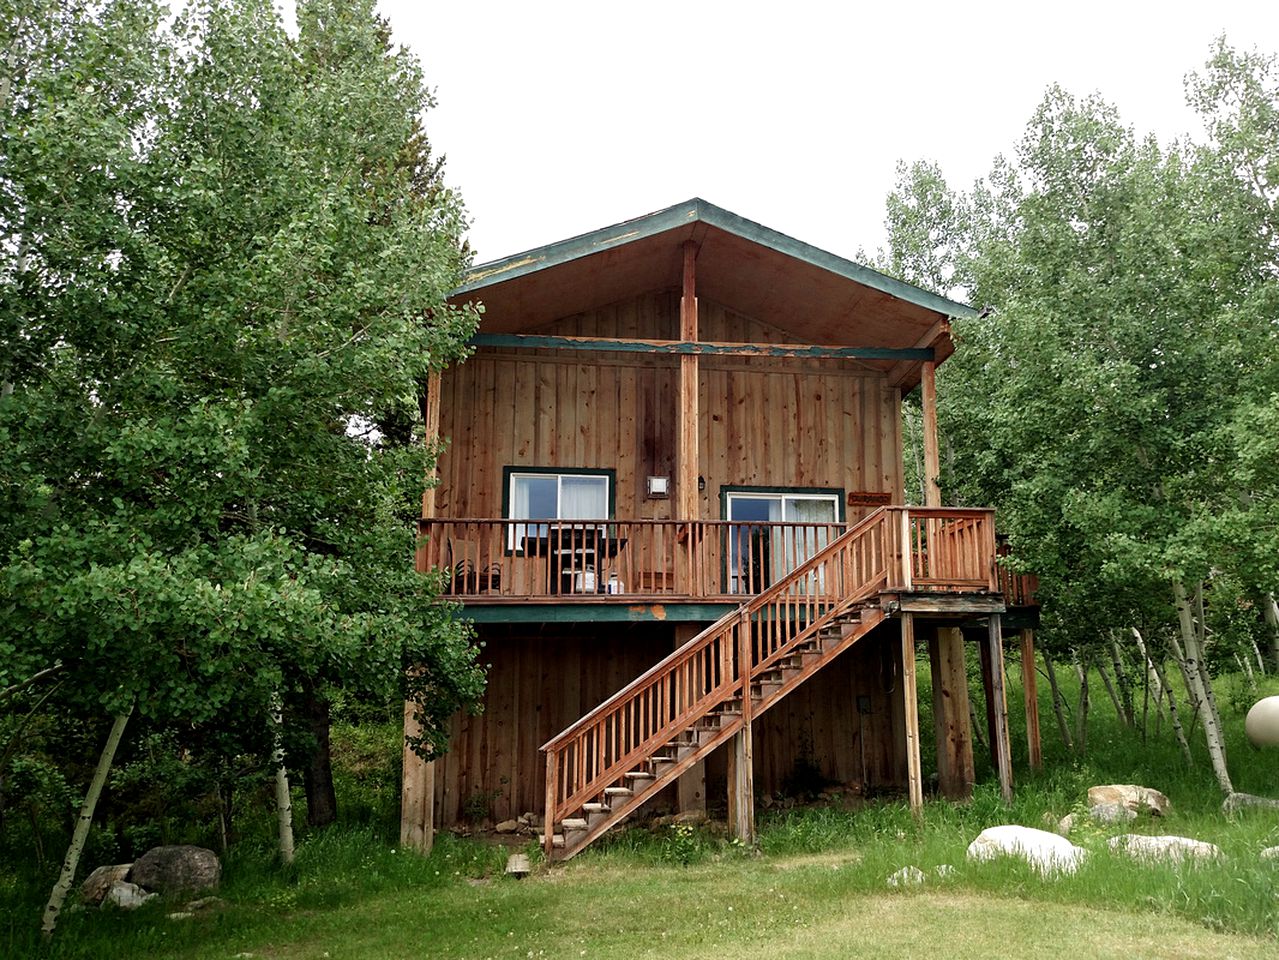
column 741, row 756
column 690, row 788
column 687, row 496
column 914, row 768
column 417, row 796
column 997, row 707
column 955, row 771
column 1030, row 690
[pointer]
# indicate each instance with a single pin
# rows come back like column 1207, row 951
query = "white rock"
column 181, row 915
column 97, row 884
column 944, row 871
column 1270, row 853
column 1241, row 801
column 1047, row 853
column 1112, row 813
column 1262, row 723
column 1163, row 849
column 1130, row 795
column 907, row 877
column 127, row 896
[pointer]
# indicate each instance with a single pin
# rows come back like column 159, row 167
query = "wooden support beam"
column 932, row 458
column 691, row 346
column 690, row 788
column 996, row 698
column 901, row 370
column 951, row 714
column 741, row 755
column 1029, row 685
column 686, row 460
column 417, row 792
column 914, row 768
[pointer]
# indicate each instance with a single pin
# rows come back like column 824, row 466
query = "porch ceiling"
column 819, row 297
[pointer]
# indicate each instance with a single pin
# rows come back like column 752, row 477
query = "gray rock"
column 205, row 903
column 1133, row 797
column 181, row 915
column 507, row 826
column 177, row 869
column 95, row 886
column 1048, row 853
column 1112, row 813
column 907, row 877
column 1164, row 849
column 127, row 896
column 1241, row 801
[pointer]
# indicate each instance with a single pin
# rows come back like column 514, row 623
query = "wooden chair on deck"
column 468, row 575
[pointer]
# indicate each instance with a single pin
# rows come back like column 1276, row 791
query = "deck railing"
column 931, row 549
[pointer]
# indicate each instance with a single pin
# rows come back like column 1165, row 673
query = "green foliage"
column 230, row 250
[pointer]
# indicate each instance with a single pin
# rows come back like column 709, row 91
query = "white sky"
column 558, row 117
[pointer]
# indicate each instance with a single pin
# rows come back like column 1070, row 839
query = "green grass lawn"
column 816, row 887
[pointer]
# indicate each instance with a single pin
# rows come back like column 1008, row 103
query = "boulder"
column 127, row 896
column 177, row 869
column 1112, row 813
column 1164, row 849
column 1262, row 723
column 1066, row 824
column 507, row 826
column 1130, row 795
column 907, row 877
column 1047, row 853
column 95, row 886
column 944, row 871
column 1241, row 801
column 1270, row 853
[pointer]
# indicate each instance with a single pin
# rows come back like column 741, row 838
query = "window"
column 775, row 531
column 553, row 495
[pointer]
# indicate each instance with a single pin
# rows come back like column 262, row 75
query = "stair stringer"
column 872, row 617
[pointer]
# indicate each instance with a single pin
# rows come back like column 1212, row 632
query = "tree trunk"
column 1058, row 703
column 1081, row 715
column 283, row 802
column 317, row 777
column 1192, row 654
column 1114, row 696
column 85, row 820
column 1173, row 717
column 1271, row 611
column 1122, row 681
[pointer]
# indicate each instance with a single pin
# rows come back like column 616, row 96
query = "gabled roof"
column 820, row 297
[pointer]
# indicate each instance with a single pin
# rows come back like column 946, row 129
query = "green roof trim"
column 699, row 211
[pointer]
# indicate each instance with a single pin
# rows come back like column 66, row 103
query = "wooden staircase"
column 612, row 761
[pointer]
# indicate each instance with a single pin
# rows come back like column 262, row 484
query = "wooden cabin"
column 672, row 502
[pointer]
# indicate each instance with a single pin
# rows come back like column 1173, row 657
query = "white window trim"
column 514, row 542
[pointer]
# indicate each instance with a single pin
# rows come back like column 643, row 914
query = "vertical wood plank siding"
column 763, row 422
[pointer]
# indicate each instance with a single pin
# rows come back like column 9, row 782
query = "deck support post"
column 955, row 773
column 741, row 755
column 914, row 768
column 997, row 705
column 417, row 793
column 1031, row 693
column 690, row 788
column 951, row 714
column 687, row 495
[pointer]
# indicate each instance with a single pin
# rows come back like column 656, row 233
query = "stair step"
column 573, row 823
column 597, row 808
column 556, row 840
column 639, row 775
column 618, row 792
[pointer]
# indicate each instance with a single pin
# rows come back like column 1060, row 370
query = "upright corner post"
column 741, row 757
column 951, row 715
column 932, row 457
column 548, row 817
column 997, row 707
column 686, row 492
column 417, row 794
column 1031, row 692
column 914, row 767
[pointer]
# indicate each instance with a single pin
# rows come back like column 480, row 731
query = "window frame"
column 728, row 491
column 511, row 472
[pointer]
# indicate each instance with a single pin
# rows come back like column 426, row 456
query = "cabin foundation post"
column 1031, row 694
column 997, row 705
column 690, row 788
column 417, row 792
column 741, row 754
column 955, row 770
column 914, row 768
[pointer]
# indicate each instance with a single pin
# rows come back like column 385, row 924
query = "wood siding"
column 541, row 680
column 764, row 422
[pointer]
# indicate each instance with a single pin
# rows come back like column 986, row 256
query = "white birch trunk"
column 1271, row 611
column 1114, row 696
column 1081, row 715
column 283, row 800
column 1173, row 717
column 1192, row 644
column 83, row 823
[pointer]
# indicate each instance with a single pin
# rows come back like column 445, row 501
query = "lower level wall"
column 542, row 678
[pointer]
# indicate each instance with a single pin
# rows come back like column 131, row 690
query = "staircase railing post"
column 552, row 785
column 908, row 552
